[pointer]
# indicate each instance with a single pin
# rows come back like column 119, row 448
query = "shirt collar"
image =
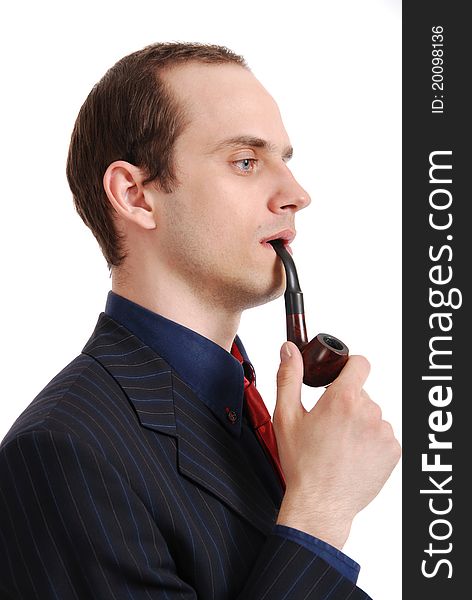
column 215, row 375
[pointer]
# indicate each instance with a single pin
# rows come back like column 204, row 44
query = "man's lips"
column 286, row 235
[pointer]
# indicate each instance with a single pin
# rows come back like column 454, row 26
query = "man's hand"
column 336, row 457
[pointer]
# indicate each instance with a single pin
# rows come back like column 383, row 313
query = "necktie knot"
column 249, row 373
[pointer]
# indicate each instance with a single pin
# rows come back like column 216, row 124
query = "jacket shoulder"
column 63, row 399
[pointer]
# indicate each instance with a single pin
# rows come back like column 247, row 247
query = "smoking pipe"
column 325, row 355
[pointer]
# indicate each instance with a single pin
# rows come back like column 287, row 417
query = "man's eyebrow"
column 252, row 142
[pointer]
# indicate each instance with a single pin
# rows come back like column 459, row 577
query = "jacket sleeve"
column 286, row 570
column 71, row 527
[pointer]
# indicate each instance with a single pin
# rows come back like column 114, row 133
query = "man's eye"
column 246, row 165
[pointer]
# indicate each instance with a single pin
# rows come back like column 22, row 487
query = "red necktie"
column 259, row 418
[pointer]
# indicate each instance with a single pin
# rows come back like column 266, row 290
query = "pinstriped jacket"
column 117, row 482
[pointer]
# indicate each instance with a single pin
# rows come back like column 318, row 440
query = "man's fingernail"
column 285, row 353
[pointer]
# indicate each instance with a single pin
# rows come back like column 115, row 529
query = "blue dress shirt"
column 217, row 378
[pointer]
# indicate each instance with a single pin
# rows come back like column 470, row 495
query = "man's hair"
column 131, row 115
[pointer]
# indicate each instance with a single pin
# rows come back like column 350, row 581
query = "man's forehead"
column 227, row 107
column 213, row 88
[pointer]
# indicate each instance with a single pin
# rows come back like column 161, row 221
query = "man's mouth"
column 287, row 236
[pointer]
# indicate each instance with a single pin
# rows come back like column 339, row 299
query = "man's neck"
column 182, row 306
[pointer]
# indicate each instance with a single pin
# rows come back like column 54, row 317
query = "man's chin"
column 276, row 293
column 264, row 296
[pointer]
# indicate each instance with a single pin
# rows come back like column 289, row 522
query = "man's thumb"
column 289, row 377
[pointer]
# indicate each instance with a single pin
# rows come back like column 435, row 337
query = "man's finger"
column 353, row 374
column 289, row 379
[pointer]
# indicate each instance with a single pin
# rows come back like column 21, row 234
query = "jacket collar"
column 207, row 454
column 216, row 377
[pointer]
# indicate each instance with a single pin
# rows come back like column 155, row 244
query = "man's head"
column 194, row 197
column 131, row 115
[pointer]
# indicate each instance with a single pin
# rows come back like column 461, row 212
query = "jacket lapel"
column 207, row 453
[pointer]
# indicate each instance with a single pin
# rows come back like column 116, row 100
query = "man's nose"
column 288, row 195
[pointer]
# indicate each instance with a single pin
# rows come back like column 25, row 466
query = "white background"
column 335, row 70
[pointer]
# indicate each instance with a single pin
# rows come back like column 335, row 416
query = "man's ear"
column 123, row 183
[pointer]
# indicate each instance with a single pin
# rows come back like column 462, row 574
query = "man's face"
column 234, row 188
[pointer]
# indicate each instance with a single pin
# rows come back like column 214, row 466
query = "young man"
column 136, row 473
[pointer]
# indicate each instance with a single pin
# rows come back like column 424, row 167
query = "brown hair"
column 131, row 115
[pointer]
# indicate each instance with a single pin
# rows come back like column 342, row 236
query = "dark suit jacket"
column 117, row 482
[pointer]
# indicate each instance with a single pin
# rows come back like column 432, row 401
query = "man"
column 136, row 473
